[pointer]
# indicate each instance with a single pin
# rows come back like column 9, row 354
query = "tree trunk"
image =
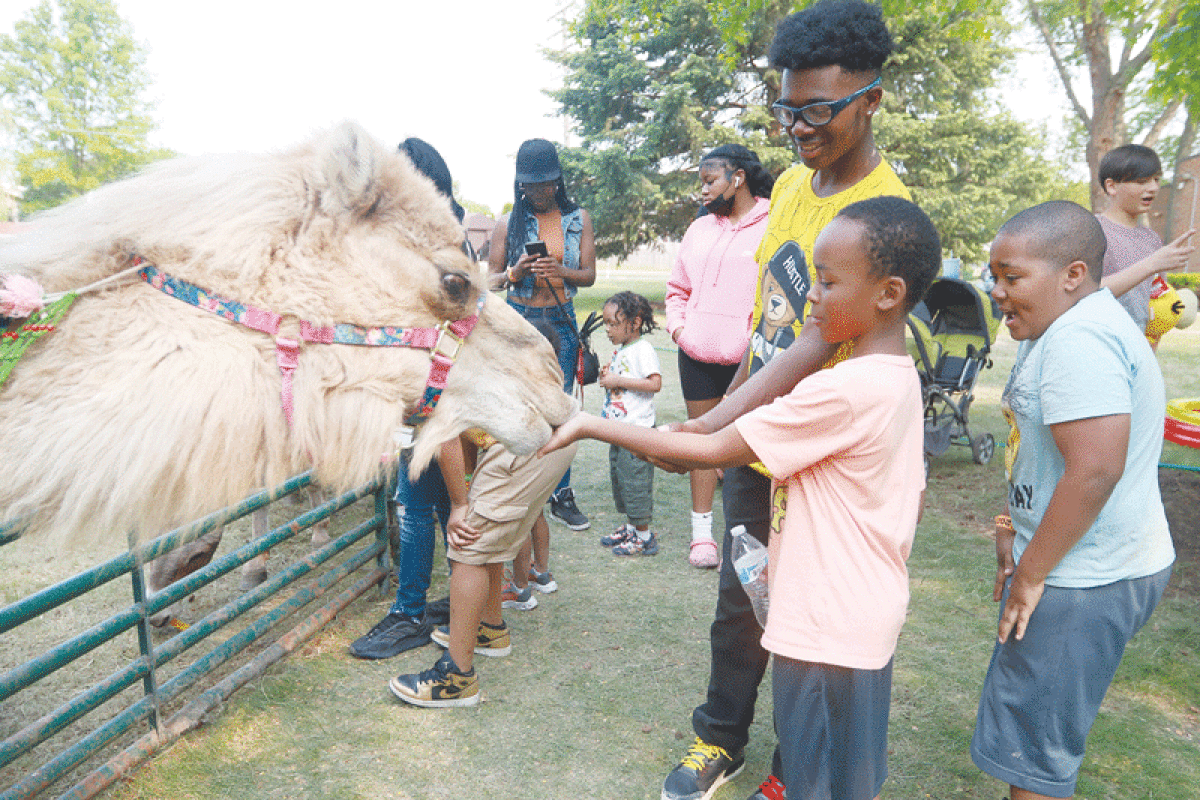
column 1108, row 103
column 1107, row 132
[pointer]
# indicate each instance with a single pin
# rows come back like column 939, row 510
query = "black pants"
column 738, row 659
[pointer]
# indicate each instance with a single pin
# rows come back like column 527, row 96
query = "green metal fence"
column 329, row 577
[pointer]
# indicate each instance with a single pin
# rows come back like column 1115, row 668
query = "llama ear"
column 351, row 163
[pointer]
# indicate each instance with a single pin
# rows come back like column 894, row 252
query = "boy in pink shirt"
column 845, row 449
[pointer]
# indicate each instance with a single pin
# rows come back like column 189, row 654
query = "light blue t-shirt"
column 1090, row 362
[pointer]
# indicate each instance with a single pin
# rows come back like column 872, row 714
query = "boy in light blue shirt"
column 1086, row 555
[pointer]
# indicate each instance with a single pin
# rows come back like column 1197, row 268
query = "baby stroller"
column 952, row 329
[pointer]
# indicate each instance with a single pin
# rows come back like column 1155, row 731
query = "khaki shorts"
column 507, row 494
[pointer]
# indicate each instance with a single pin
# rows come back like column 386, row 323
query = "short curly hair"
column 848, row 33
column 900, row 240
column 631, row 305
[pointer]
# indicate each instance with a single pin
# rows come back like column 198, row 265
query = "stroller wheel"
column 982, row 448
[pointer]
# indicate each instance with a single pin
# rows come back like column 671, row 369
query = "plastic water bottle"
column 750, row 563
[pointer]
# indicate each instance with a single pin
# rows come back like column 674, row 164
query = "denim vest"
column 572, row 225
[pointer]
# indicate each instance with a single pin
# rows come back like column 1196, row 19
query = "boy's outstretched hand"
column 672, row 466
column 1023, row 597
column 570, row 431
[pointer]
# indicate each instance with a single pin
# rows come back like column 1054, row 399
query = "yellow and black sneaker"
column 702, row 770
column 492, row 640
column 444, row 686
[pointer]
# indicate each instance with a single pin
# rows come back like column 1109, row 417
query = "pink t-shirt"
column 1128, row 245
column 845, row 447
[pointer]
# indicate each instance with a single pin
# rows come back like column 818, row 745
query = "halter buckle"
column 448, row 343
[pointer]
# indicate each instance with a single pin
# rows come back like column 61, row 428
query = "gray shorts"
column 1041, row 694
column 832, row 724
column 632, row 485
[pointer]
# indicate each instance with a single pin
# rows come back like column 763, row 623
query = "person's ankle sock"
column 701, row 525
column 643, row 535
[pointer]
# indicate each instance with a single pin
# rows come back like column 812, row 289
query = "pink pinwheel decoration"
column 20, row 296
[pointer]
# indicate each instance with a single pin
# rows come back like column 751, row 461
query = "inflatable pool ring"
column 1183, row 422
column 1165, row 308
column 1188, row 298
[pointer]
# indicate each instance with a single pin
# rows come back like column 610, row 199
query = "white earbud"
column 737, row 182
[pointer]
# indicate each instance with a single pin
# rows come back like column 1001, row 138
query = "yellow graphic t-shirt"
column 796, row 216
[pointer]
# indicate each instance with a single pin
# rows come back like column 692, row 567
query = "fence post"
column 145, row 643
column 387, row 534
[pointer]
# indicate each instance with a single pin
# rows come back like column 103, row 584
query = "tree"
column 1177, row 74
column 1114, row 42
column 969, row 165
column 72, row 78
column 9, row 191
column 653, row 84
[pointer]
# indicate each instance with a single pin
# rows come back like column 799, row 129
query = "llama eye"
column 456, row 286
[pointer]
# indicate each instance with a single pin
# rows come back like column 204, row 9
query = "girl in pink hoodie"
column 710, row 296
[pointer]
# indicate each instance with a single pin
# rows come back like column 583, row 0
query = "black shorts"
column 704, row 381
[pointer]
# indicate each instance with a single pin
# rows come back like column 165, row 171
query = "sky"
column 465, row 75
column 255, row 75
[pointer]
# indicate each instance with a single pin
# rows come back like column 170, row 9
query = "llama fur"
column 142, row 412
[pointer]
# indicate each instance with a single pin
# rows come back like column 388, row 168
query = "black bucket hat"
column 537, row 162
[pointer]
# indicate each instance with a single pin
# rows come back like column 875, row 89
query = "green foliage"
column 968, row 166
column 653, row 84
column 1177, row 59
column 473, row 207
column 969, row 174
column 72, row 78
column 1183, row 280
column 1075, row 191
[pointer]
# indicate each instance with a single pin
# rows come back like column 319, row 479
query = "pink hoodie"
column 710, row 293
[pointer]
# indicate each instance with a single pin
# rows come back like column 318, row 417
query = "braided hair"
column 735, row 157
column 632, row 304
column 514, row 243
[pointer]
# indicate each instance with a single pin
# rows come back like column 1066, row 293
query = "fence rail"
column 330, row 565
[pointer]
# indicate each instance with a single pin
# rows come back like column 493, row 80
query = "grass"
column 595, row 700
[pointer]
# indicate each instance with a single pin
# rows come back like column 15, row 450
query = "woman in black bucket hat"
column 540, row 287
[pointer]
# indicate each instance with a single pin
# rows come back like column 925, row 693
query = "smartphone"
column 537, row 249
